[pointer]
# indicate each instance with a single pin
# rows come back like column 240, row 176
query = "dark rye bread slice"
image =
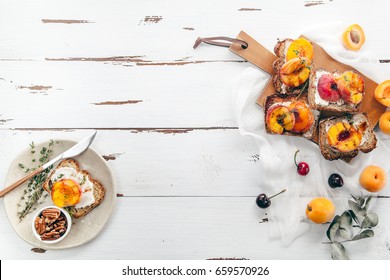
column 98, row 189
column 316, row 102
column 286, row 99
column 358, row 120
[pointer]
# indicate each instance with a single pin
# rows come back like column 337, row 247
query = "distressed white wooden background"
column 186, row 178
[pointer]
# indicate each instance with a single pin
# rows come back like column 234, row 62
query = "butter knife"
column 77, row 149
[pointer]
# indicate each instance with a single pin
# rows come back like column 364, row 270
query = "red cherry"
column 302, row 167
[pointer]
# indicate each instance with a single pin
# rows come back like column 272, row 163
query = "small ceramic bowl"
column 50, row 228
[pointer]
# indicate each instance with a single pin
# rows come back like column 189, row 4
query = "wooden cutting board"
column 263, row 58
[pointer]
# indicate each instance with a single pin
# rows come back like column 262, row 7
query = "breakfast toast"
column 335, row 91
column 343, row 137
column 290, row 115
column 97, row 188
column 293, row 66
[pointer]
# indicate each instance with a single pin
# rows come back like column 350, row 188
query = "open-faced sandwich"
column 73, row 188
column 336, row 92
column 290, row 115
column 343, row 137
column 293, row 67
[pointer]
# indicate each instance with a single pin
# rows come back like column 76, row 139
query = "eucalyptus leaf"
column 359, row 200
column 346, row 230
column 357, row 208
column 364, row 234
column 354, row 217
column 338, row 251
column 367, row 204
column 333, row 228
column 370, row 220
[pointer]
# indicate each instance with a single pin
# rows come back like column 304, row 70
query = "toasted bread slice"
column 316, row 102
column 287, row 100
column 98, row 189
column 360, row 123
column 280, row 50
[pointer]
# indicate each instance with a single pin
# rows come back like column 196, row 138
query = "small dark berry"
column 335, row 181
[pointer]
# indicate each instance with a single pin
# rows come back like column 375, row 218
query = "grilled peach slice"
column 65, row 192
column 343, row 137
column 327, row 88
column 300, row 48
column 382, row 93
column 353, row 37
column 279, row 118
column 304, row 117
column 351, row 87
column 295, row 72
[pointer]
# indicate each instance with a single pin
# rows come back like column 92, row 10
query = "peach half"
column 351, row 87
column 295, row 72
column 65, row 192
column 300, row 48
column 382, row 93
column 343, row 137
column 304, row 117
column 279, row 118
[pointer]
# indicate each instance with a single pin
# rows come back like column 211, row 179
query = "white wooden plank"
column 82, row 94
column 195, row 228
column 117, row 28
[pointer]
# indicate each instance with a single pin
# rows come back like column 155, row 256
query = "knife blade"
column 75, row 150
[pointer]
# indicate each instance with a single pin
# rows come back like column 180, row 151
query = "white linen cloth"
column 276, row 165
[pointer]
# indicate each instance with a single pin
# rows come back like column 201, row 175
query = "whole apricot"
column 373, row 178
column 384, row 122
column 320, row 210
column 382, row 93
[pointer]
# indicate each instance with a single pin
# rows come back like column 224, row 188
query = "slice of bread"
column 280, row 50
column 359, row 122
column 98, row 189
column 316, row 102
column 286, row 100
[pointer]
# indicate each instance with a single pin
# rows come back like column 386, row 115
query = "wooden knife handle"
column 21, row 181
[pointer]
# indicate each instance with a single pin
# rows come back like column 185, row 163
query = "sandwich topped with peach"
column 290, row 115
column 335, row 91
column 292, row 69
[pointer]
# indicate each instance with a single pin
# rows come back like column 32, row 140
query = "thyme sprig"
column 33, row 194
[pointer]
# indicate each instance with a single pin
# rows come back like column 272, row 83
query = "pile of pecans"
column 51, row 224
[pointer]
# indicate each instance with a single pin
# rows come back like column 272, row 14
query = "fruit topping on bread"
column 304, row 117
column 289, row 115
column 279, row 119
column 293, row 66
column 345, row 136
column 74, row 188
column 295, row 72
column 336, row 92
column 351, row 87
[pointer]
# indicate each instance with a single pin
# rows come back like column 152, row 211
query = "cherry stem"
column 277, row 193
column 295, row 158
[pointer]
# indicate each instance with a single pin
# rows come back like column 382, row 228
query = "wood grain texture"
column 186, row 178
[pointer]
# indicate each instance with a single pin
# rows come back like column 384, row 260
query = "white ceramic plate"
column 83, row 229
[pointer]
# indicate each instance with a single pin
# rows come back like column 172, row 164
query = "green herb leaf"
column 370, row 220
column 333, row 228
column 367, row 203
column 338, row 251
